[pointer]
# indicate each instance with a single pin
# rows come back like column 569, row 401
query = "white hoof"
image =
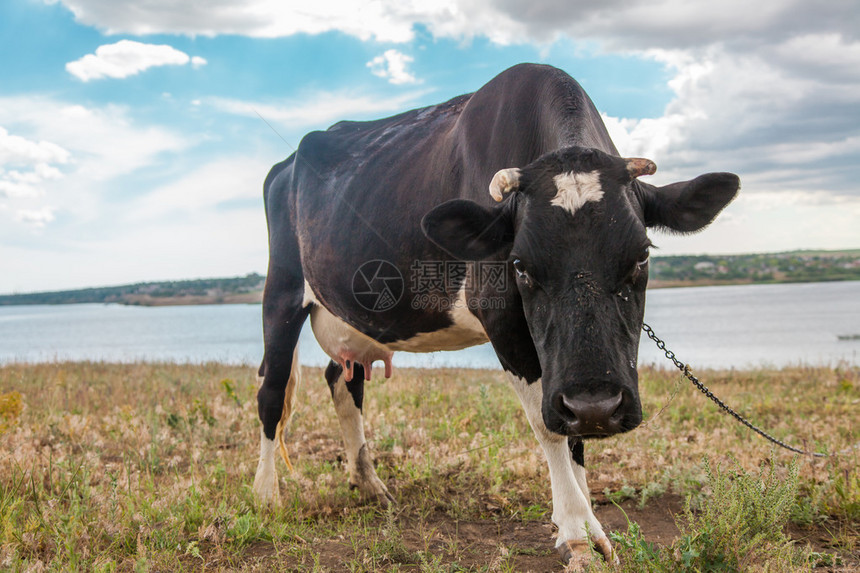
column 578, row 554
column 266, row 479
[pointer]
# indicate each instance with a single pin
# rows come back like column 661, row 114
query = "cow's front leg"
column 571, row 505
column 348, row 398
column 577, row 462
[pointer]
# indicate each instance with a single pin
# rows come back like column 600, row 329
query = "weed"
column 739, row 527
column 230, row 390
column 431, row 563
column 624, row 493
column 651, row 490
column 389, row 544
column 743, row 519
column 535, row 512
column 11, row 406
column 638, row 554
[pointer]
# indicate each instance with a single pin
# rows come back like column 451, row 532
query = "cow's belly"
column 347, row 346
column 465, row 331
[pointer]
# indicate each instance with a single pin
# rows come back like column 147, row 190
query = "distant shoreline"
column 256, row 297
column 665, row 272
column 147, row 300
column 664, row 284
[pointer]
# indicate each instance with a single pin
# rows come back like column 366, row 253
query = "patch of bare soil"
column 497, row 543
column 526, row 546
column 656, row 520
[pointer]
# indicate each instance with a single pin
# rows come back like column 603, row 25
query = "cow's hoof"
column 266, row 482
column 604, row 547
column 364, row 478
column 266, row 489
column 578, row 554
column 374, row 490
column 386, row 500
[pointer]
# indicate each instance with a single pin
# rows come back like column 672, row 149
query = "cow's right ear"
column 467, row 230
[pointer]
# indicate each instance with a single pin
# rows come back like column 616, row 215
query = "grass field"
column 148, row 467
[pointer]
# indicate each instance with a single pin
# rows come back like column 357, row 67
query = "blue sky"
column 132, row 146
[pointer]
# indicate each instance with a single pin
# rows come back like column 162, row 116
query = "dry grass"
column 114, row 467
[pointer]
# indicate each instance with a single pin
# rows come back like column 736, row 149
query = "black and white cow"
column 361, row 208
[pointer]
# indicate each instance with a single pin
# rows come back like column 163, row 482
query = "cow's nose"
column 591, row 415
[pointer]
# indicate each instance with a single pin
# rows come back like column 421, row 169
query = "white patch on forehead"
column 576, row 189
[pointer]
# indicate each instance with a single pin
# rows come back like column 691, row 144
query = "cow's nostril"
column 563, row 407
column 601, row 408
column 591, row 414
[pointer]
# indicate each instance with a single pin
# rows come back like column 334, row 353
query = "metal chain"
column 685, row 368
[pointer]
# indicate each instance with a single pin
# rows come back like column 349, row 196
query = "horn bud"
column 504, row 181
column 637, row 167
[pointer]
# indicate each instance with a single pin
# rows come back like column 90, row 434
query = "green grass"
column 111, row 467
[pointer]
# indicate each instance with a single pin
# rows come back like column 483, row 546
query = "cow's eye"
column 641, row 268
column 522, row 274
column 643, row 259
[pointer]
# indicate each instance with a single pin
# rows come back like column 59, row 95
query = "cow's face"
column 573, row 227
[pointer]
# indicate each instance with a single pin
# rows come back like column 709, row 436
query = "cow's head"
column 572, row 226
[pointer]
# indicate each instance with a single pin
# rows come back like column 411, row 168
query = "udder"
column 347, row 346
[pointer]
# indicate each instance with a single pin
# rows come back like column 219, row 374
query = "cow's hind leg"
column 283, row 316
column 571, row 505
column 348, row 400
column 265, row 481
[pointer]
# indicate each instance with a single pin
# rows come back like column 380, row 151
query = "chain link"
column 685, row 368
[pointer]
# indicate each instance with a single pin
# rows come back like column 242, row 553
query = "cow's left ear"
column 688, row 206
column 467, row 230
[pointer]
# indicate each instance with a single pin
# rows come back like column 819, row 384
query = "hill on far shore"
column 247, row 289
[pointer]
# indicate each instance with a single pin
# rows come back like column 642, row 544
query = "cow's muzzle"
column 597, row 415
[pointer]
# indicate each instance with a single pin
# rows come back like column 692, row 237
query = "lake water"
column 723, row 327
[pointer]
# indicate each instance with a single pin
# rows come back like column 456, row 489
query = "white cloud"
column 37, row 218
column 15, row 149
column 393, row 66
column 213, row 184
column 90, row 147
column 770, row 222
column 740, row 112
column 829, row 55
column 99, row 142
column 317, row 110
column 25, row 164
column 127, row 58
column 619, row 24
column 174, row 250
column 384, row 21
column 112, row 218
column 11, row 188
